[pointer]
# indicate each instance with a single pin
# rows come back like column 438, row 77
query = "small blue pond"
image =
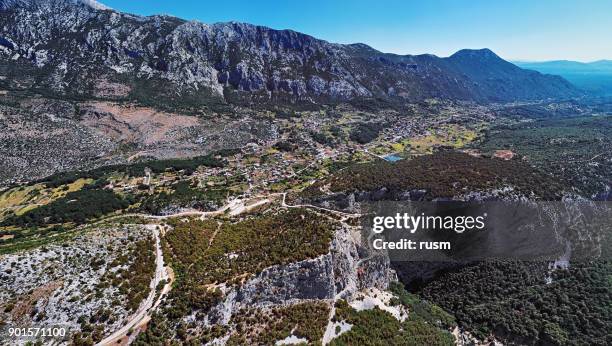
column 392, row 157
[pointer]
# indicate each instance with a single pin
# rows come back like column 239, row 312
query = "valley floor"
column 262, row 244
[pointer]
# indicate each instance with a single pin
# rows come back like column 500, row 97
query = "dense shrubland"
column 77, row 207
column 258, row 242
column 576, row 150
column 378, row 327
column 443, row 174
column 266, row 326
column 513, row 301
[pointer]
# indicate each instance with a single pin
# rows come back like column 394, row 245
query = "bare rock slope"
column 83, row 49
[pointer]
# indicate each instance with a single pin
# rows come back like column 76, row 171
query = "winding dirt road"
column 141, row 316
column 347, row 215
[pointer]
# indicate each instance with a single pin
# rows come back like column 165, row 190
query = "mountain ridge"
column 602, row 63
column 81, row 49
column 594, row 77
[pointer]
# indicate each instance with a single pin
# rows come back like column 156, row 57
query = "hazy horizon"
column 557, row 60
column 517, row 31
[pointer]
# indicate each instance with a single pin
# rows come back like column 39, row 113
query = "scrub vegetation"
column 577, row 150
column 443, row 174
column 513, row 300
column 378, row 327
column 266, row 326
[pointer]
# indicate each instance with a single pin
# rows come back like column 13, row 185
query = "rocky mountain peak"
column 80, row 48
column 483, row 53
column 9, row 4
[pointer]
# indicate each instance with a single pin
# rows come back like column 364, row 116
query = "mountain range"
column 594, row 77
column 82, row 49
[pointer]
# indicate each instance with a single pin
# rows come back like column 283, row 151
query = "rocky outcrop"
column 341, row 273
column 310, row 279
column 344, row 270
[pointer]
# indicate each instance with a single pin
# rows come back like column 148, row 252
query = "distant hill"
column 82, row 49
column 594, row 77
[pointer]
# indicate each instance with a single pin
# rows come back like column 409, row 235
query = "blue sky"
column 514, row 29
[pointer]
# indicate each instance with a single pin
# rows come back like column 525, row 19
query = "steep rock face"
column 341, row 273
column 83, row 49
column 311, row 279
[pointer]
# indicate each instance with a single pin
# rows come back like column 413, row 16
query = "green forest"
column 576, row 150
column 443, row 174
column 137, row 169
column 378, row 327
column 365, row 132
column 184, row 194
column 513, row 301
column 77, row 207
column 265, row 326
